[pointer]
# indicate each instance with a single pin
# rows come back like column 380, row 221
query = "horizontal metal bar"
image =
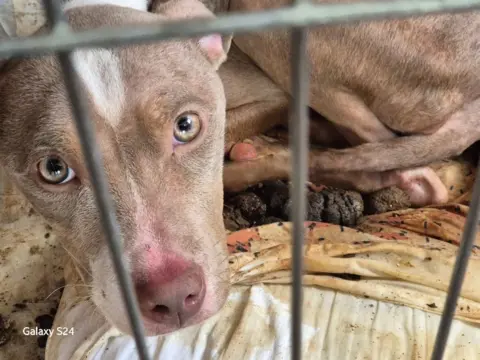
column 99, row 182
column 459, row 270
column 297, row 16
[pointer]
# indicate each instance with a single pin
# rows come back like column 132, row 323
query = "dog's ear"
column 214, row 46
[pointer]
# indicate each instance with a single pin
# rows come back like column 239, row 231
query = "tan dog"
column 159, row 112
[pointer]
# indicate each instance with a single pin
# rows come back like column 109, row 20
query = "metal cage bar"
column 459, row 270
column 301, row 15
column 298, row 17
column 299, row 140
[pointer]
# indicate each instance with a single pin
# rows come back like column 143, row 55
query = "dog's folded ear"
column 214, row 46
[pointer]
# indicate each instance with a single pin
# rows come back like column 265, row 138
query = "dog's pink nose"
column 172, row 300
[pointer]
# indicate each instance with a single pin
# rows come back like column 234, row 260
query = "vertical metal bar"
column 459, row 271
column 299, row 140
column 99, row 182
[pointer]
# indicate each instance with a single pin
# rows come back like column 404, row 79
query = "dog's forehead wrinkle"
column 168, row 63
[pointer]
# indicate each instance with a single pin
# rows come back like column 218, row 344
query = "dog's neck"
column 134, row 4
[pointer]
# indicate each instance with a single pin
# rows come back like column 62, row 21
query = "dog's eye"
column 186, row 128
column 55, row 171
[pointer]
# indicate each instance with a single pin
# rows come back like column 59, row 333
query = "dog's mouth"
column 174, row 323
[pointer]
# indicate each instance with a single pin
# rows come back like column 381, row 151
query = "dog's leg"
column 397, row 161
column 373, row 166
column 250, row 120
column 254, row 103
column 272, row 161
column 460, row 131
column 255, row 160
column 353, row 119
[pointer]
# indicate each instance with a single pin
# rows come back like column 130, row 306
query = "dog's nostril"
column 161, row 309
column 191, row 299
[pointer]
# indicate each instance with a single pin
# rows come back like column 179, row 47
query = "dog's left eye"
column 54, row 170
column 187, row 127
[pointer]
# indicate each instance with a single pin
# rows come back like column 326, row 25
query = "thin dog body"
column 401, row 93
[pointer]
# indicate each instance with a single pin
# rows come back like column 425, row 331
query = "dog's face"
column 159, row 115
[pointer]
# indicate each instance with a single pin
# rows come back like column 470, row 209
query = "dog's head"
column 159, row 114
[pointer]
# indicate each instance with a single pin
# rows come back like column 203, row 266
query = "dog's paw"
column 242, row 152
column 423, row 187
column 254, row 148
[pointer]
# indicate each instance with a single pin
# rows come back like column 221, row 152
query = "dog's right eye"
column 186, row 128
column 54, row 170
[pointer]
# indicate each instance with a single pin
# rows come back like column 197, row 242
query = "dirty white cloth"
column 255, row 324
column 20, row 18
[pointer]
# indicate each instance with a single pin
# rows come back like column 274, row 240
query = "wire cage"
column 297, row 17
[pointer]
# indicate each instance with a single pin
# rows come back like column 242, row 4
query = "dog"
column 165, row 114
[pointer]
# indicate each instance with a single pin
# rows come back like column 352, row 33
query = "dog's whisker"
column 79, row 263
column 65, row 286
